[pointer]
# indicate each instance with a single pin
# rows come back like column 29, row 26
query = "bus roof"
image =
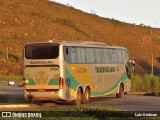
column 80, row 43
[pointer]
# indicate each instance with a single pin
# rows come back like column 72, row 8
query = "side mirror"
column 133, row 65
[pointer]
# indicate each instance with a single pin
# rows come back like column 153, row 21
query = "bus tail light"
column 61, row 82
column 24, row 82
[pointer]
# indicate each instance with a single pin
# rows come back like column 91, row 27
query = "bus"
column 74, row 71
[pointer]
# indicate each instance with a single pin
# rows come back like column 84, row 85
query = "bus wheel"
column 118, row 95
column 78, row 99
column 86, row 96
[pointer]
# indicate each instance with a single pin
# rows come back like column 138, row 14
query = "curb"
column 137, row 93
column 13, row 106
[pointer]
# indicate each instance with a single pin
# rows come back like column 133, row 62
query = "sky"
column 137, row 12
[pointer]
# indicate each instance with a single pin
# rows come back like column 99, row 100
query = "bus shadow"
column 95, row 99
column 92, row 100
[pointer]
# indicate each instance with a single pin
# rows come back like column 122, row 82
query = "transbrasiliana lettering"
column 104, row 69
column 41, row 62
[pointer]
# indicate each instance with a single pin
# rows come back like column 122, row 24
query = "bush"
column 66, row 22
column 7, row 78
column 146, row 83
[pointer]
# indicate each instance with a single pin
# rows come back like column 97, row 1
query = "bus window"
column 98, row 55
column 90, row 55
column 41, row 51
column 120, row 56
column 73, row 55
column 126, row 58
column 106, row 55
column 114, row 56
column 67, row 54
column 81, row 55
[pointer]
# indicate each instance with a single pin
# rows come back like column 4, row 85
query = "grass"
column 147, row 83
column 75, row 112
column 8, row 78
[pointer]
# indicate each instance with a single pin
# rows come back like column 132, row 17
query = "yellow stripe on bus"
column 42, row 87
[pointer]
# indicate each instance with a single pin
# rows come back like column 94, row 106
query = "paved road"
column 128, row 102
column 14, row 94
column 10, row 93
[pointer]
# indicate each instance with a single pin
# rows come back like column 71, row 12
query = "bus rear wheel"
column 78, row 99
column 86, row 96
column 119, row 95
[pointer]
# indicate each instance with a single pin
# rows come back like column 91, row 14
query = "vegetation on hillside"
column 23, row 21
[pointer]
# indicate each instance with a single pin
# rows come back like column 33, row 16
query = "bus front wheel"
column 119, row 94
column 86, row 96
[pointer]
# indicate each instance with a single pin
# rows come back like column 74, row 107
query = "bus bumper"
column 43, row 96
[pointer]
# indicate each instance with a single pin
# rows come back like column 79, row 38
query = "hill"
column 23, row 21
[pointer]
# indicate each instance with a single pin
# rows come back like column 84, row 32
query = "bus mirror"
column 133, row 65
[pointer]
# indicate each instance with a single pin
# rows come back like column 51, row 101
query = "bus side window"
column 70, row 54
column 106, row 55
column 120, row 56
column 114, row 56
column 67, row 55
column 90, row 55
column 98, row 55
column 126, row 58
column 73, row 55
column 81, row 55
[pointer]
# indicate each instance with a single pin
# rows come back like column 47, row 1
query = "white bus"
column 74, row 70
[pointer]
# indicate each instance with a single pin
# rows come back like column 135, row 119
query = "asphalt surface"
column 128, row 102
column 11, row 93
column 14, row 95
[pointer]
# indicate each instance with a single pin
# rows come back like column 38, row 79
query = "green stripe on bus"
column 30, row 81
column 74, row 83
column 70, row 80
column 122, row 78
column 54, row 81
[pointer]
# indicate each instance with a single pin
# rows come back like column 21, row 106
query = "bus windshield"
column 44, row 51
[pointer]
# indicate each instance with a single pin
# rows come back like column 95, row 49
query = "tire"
column 86, row 96
column 119, row 95
column 78, row 99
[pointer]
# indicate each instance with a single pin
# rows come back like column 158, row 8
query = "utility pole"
column 7, row 53
column 152, row 65
column 91, row 33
